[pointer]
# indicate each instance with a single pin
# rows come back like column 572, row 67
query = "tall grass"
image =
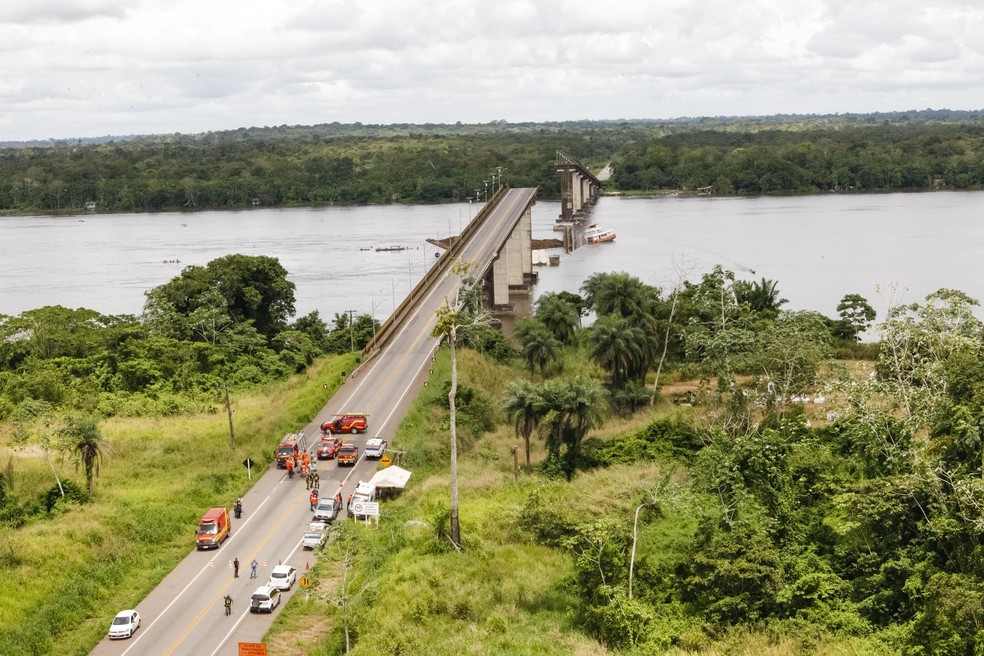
column 74, row 570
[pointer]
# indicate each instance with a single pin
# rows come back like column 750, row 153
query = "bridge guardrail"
column 386, row 328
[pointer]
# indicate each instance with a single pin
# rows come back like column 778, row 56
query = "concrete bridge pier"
column 578, row 189
column 512, row 269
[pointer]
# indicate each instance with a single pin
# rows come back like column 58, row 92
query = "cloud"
column 90, row 67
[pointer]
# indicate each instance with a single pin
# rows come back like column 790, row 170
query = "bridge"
column 185, row 614
column 579, row 188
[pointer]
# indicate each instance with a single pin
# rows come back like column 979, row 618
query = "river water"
column 818, row 248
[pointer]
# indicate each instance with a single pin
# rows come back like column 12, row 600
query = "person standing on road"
column 290, row 467
column 252, row 569
column 235, row 568
column 228, row 605
column 314, row 499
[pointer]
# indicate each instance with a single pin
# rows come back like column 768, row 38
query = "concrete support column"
column 525, row 228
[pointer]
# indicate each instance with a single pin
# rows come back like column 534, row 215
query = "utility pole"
column 352, row 327
column 232, row 431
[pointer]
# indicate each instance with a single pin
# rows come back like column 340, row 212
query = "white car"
column 375, row 448
column 315, row 534
column 264, row 600
column 124, row 624
column 283, row 577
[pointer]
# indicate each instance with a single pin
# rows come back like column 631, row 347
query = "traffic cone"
column 307, row 565
column 280, row 562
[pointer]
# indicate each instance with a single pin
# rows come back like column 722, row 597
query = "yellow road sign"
column 305, row 581
column 386, row 461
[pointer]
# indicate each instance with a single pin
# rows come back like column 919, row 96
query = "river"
column 818, row 248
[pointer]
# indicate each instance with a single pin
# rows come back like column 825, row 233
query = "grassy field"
column 72, row 571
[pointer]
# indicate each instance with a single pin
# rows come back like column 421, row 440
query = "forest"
column 697, row 471
column 360, row 164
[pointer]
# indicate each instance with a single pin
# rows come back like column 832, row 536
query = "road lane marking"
column 205, row 568
column 225, row 588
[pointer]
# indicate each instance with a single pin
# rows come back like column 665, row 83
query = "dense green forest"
column 226, row 324
column 358, row 164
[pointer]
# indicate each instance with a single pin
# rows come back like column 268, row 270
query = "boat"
column 387, row 249
column 595, row 234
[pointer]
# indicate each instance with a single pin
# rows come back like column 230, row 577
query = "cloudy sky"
column 81, row 68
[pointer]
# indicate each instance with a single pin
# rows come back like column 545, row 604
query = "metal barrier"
column 443, row 263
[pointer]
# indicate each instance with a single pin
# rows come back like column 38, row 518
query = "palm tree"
column 572, row 407
column 619, row 347
column 540, row 348
column 525, row 406
column 618, row 293
column 559, row 316
column 452, row 317
column 760, row 296
column 83, row 441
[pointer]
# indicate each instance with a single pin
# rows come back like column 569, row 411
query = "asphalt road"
column 184, row 615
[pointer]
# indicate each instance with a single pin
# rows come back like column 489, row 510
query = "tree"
column 540, row 348
column 254, row 289
column 572, row 407
column 791, row 350
column 618, row 293
column 618, row 346
column 82, row 439
column 452, row 317
column 559, row 316
column 762, row 297
column 32, row 422
column 856, row 316
column 524, row 405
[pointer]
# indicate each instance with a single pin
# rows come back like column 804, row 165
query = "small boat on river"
column 595, row 234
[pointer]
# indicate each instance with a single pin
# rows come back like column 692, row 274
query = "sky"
column 88, row 68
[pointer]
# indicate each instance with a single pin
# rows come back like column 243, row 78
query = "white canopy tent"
column 392, row 476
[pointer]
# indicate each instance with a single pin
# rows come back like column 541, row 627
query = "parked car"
column 329, row 447
column 314, row 535
column 350, row 422
column 124, row 624
column 283, row 577
column 264, row 600
column 348, row 454
column 375, row 448
column 327, row 510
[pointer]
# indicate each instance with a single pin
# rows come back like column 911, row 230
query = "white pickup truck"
column 375, row 448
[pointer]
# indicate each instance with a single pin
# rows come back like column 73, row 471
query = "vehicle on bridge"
column 350, row 422
column 290, row 447
column 213, row 528
column 348, row 454
column 329, row 446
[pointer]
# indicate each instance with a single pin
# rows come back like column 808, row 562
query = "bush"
column 664, row 439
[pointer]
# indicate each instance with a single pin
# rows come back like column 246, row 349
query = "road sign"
column 305, row 581
column 365, row 509
column 248, row 464
column 386, row 461
column 252, row 649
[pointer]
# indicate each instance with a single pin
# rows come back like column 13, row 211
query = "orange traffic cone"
column 307, row 565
